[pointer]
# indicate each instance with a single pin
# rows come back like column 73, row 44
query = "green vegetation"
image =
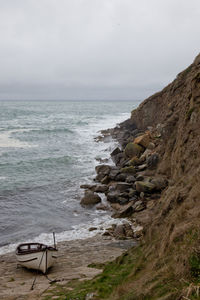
column 195, row 266
column 140, row 274
column 114, row 274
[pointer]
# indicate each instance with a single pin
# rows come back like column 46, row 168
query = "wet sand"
column 72, row 263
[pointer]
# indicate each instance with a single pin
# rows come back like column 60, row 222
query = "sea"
column 47, row 150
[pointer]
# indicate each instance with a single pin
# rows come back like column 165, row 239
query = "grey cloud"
column 95, row 49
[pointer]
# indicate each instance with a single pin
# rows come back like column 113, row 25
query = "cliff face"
column 172, row 235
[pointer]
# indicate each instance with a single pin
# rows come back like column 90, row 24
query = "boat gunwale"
column 31, row 251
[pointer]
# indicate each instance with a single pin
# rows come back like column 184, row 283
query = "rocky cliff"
column 156, row 183
column 171, row 249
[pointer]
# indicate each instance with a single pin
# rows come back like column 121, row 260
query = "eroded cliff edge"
column 171, row 249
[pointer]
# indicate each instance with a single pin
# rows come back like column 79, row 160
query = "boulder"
column 130, row 179
column 139, row 177
column 113, row 173
column 118, row 158
column 132, row 193
column 145, row 155
column 90, row 198
column 115, row 152
column 113, row 196
column 159, row 182
column 119, row 232
column 121, row 177
column 142, row 167
column 142, row 140
column 122, row 186
column 128, row 230
column 146, row 187
column 92, row 228
column 102, row 171
column 151, row 146
column 101, row 188
column 152, row 161
column 134, row 161
column 125, row 211
column 132, row 150
column 88, row 187
column 105, row 179
column 139, row 206
column 129, row 170
column 101, row 206
column 122, row 200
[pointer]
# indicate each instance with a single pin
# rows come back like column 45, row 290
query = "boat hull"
column 41, row 260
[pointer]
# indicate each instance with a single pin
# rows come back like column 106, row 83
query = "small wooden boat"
column 36, row 256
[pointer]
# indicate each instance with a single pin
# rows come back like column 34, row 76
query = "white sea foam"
column 7, row 141
column 78, row 232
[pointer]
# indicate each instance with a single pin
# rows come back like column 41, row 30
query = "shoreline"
column 72, row 263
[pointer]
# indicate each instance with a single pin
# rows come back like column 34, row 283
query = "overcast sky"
column 94, row 49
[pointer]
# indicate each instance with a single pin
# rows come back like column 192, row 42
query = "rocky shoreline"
column 131, row 185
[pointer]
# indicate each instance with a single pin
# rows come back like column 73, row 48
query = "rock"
column 142, row 195
column 92, row 228
column 102, row 171
column 101, row 206
column 119, row 232
column 128, row 230
column 152, row 161
column 113, row 196
column 115, row 152
column 134, row 161
column 145, row 155
column 132, row 150
column 138, row 232
column 139, row 206
column 139, row 177
column 121, row 177
column 90, row 198
column 129, row 170
column 130, row 179
column 125, row 211
column 133, row 199
column 151, row 146
column 107, row 233
column 101, row 188
column 122, row 200
column 142, row 167
column 132, row 193
column 105, row 179
column 159, row 182
column 118, row 158
column 122, row 186
column 116, row 206
column 113, row 173
column 88, row 187
column 124, row 195
column 142, row 140
column 145, row 187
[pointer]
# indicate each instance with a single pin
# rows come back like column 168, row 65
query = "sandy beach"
column 72, row 263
